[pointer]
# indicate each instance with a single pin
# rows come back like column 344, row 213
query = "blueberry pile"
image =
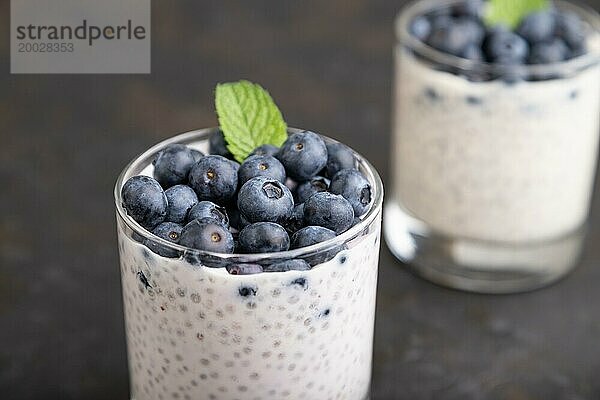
column 278, row 199
column 542, row 37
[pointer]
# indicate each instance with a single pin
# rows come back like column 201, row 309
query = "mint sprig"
column 511, row 12
column 248, row 117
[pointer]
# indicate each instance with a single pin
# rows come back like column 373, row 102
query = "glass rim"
column 203, row 134
column 417, row 7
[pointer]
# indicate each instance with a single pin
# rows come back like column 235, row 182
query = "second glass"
column 492, row 177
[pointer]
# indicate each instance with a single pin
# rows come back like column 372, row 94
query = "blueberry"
column 440, row 19
column 287, row 265
column 420, row 27
column 537, row 27
column 296, row 221
column 244, row 269
column 576, row 51
column 303, row 155
column 172, row 165
column 206, row 260
column 324, row 313
column 265, row 150
column 143, row 280
column 441, row 12
column 571, row 29
column 311, row 235
column 330, row 211
column 264, row 199
column 511, row 73
column 264, row 237
column 473, row 28
column 208, row 235
column 197, row 154
column 473, row 100
column 300, row 283
column 218, row 146
column 469, row 8
column 214, row 178
column 210, row 210
column 306, row 189
column 246, row 291
column 548, row 52
column 181, row 198
column 339, row 157
column 169, row 231
column 266, row 166
column 473, row 52
column 432, row 95
column 505, row 47
column 355, row 188
column 137, row 237
column 455, row 35
column 144, row 200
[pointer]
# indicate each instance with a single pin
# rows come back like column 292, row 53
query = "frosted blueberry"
column 303, row 155
column 265, row 150
column 287, row 265
column 169, row 231
column 144, row 200
column 329, row 210
column 207, row 234
column 208, row 209
column 181, row 199
column 339, row 157
column 355, row 188
column 214, row 178
column 266, row 166
column 306, row 189
column 173, row 164
column 265, row 199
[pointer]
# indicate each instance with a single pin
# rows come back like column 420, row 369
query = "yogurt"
column 195, row 332
column 494, row 161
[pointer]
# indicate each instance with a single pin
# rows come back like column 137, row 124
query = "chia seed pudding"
column 493, row 161
column 199, row 332
column 498, row 154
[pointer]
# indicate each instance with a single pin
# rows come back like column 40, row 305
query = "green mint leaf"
column 248, row 117
column 511, row 12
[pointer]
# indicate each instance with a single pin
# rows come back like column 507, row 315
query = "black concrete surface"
column 328, row 64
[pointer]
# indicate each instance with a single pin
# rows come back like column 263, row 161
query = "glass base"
column 479, row 266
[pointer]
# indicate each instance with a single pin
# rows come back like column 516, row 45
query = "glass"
column 195, row 332
column 492, row 166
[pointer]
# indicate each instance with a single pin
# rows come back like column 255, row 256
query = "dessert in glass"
column 251, row 290
column 495, row 140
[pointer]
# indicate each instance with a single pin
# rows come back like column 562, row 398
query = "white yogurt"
column 200, row 333
column 492, row 161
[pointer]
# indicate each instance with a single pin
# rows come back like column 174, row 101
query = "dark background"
column 328, row 64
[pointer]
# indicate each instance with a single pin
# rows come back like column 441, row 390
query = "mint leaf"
column 511, row 12
column 248, row 117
